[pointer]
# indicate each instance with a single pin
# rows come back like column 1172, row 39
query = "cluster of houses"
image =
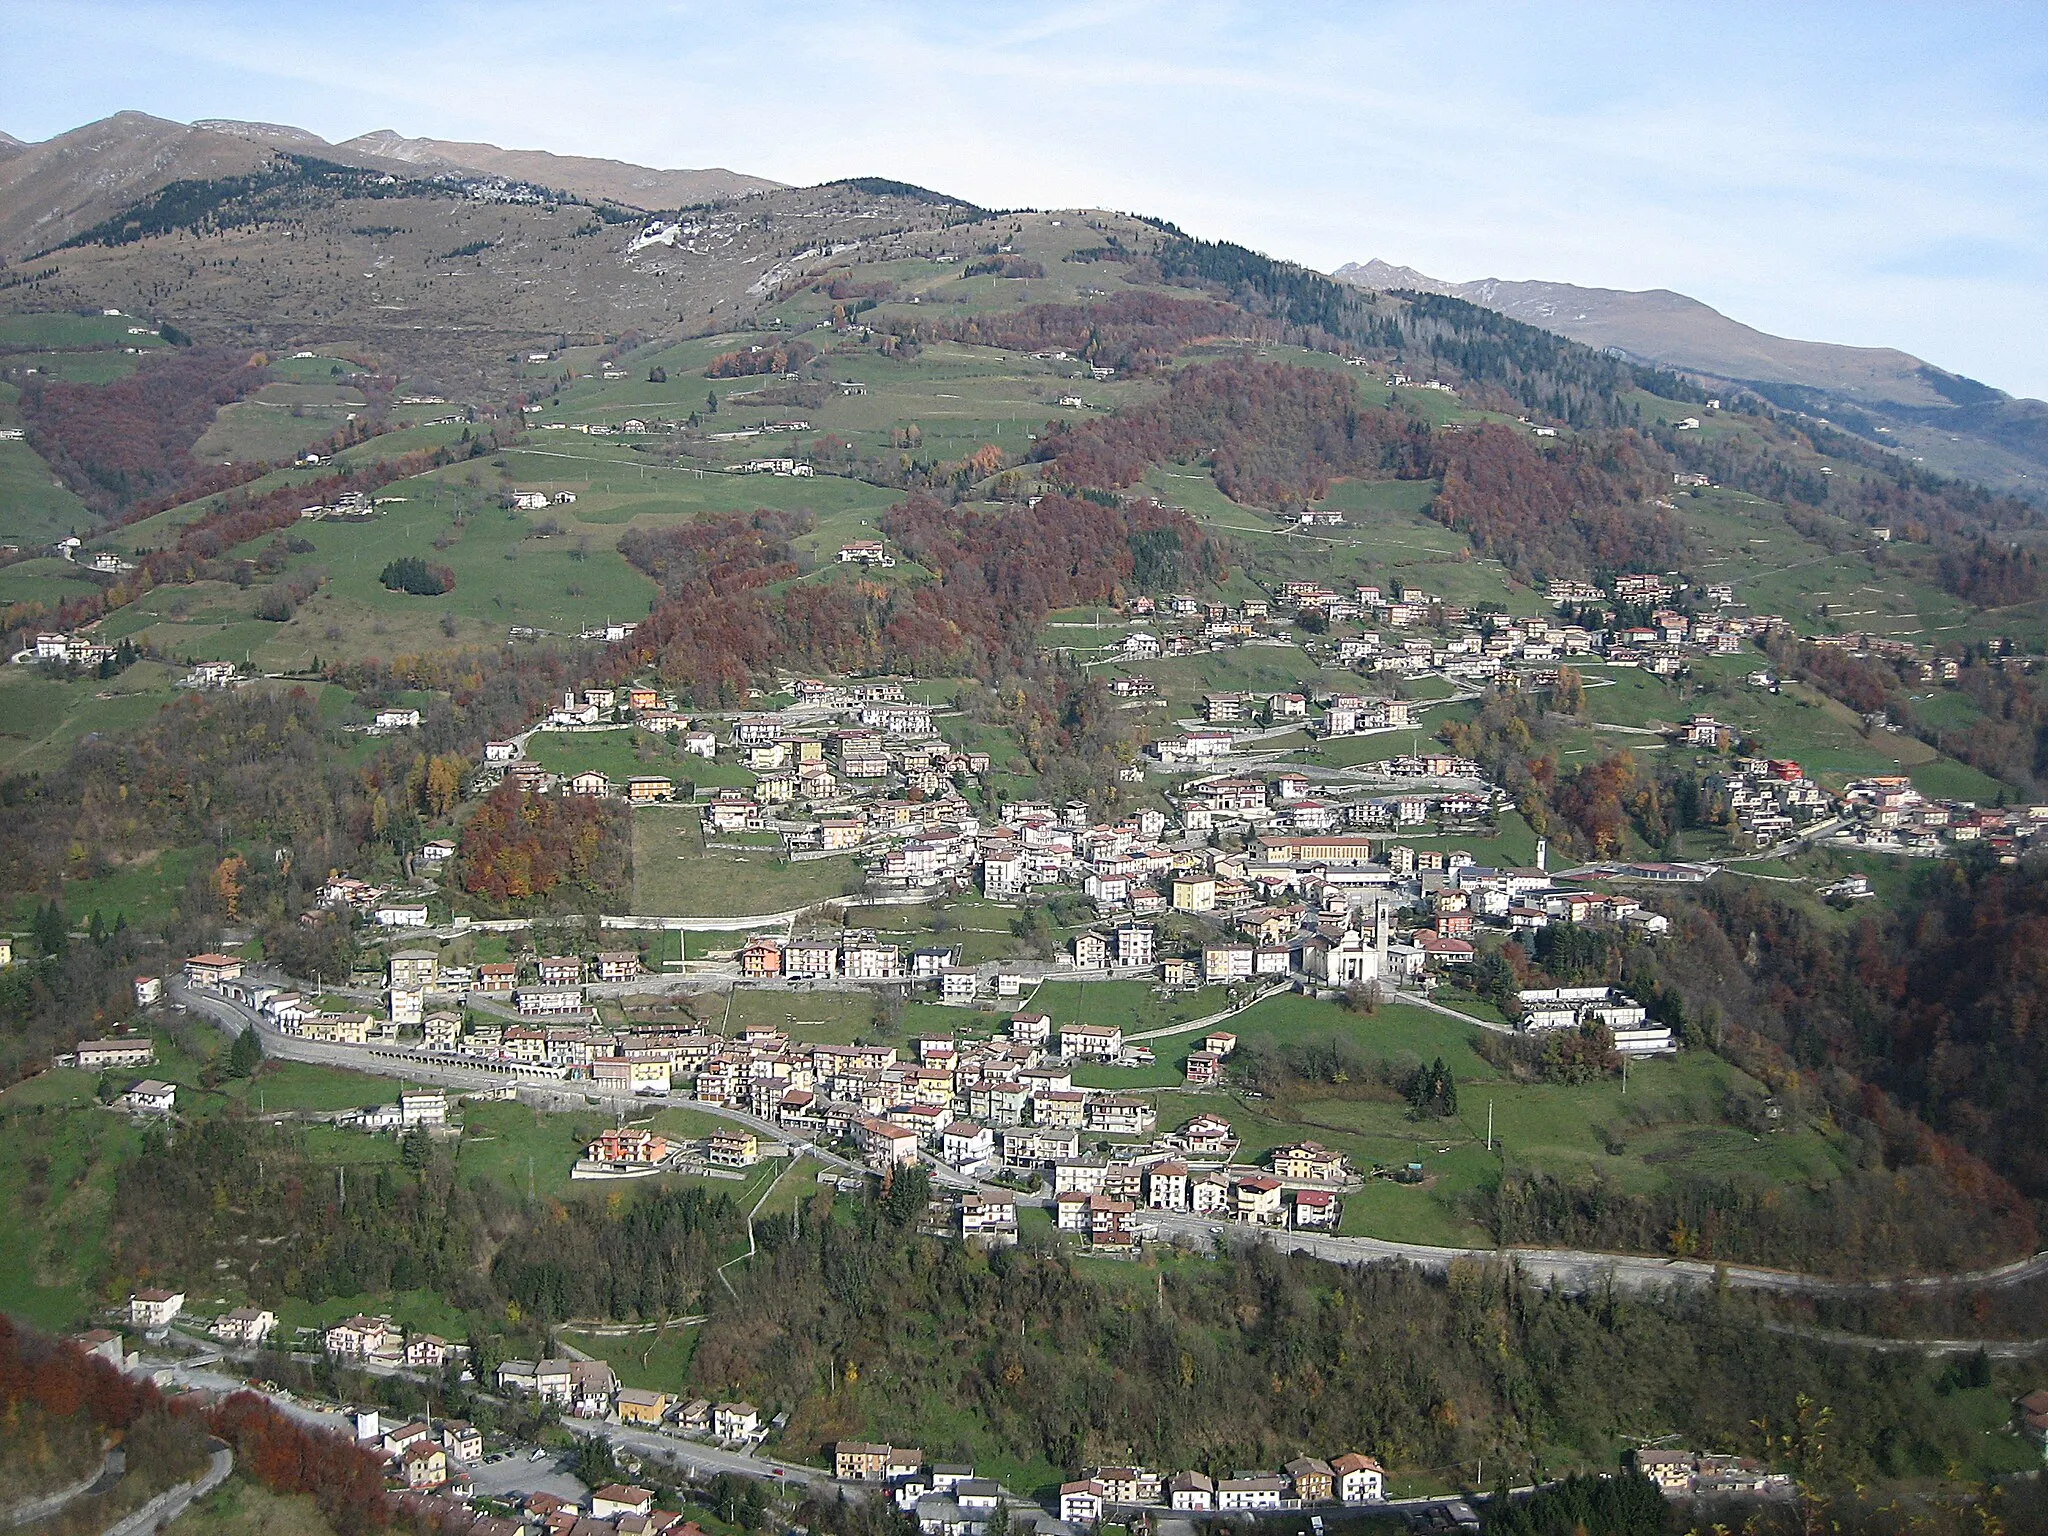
column 1310, row 906
column 1761, row 799
column 377, row 1342
column 1539, row 1010
column 426, row 996
column 427, row 1456
column 949, row 1500
column 64, row 650
column 1305, row 1482
column 378, row 904
column 1705, row 1474
column 861, row 761
column 862, row 955
column 632, row 1151
column 147, row 1096
column 612, row 1510
column 1764, row 800
column 589, row 1389
column 1104, row 1203
column 348, row 507
column 1886, row 814
column 1676, row 620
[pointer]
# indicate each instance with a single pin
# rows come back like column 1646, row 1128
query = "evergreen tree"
column 416, row 1150
column 246, row 1054
column 52, row 929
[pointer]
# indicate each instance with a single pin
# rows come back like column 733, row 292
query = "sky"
column 1873, row 174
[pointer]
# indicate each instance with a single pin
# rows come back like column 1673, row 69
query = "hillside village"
column 1012, row 831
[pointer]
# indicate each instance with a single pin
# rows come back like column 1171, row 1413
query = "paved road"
column 99, row 1480
column 1571, row 1269
column 200, row 1378
column 1578, row 1270
column 1996, row 1349
column 171, row 1503
column 410, row 1066
column 700, row 1459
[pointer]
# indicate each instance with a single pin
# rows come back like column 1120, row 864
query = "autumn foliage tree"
column 1276, row 435
column 120, row 443
column 996, row 575
column 1135, row 331
column 519, row 851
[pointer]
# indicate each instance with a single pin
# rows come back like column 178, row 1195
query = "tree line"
column 729, row 611
column 1276, row 435
column 386, row 1228
column 864, row 1329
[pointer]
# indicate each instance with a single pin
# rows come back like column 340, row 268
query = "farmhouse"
column 133, row 1051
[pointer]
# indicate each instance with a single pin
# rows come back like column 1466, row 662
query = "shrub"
column 414, row 575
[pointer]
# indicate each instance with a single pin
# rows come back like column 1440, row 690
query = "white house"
column 150, row 1097
column 245, row 1325
column 1255, row 1492
column 963, row 1142
column 423, row 1106
column 1360, row 1479
column 154, row 1309
column 735, row 1421
column 1081, row 1503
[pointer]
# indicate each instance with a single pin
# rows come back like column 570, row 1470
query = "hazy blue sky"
column 1869, row 173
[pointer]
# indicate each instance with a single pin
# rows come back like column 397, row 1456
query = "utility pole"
column 1489, row 1125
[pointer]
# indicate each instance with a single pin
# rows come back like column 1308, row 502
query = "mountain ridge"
column 1663, row 326
column 634, row 186
column 1948, row 421
column 53, row 190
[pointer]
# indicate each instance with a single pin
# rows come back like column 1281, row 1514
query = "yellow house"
column 1194, row 893
column 732, row 1149
column 638, row 1405
column 1308, row 1160
column 425, row 1465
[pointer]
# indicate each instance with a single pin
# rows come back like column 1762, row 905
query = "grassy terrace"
column 674, row 875
column 1670, row 1118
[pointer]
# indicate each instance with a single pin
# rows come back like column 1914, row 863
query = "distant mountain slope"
column 52, row 190
column 1660, row 326
column 1952, row 423
column 635, row 186
column 276, row 135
